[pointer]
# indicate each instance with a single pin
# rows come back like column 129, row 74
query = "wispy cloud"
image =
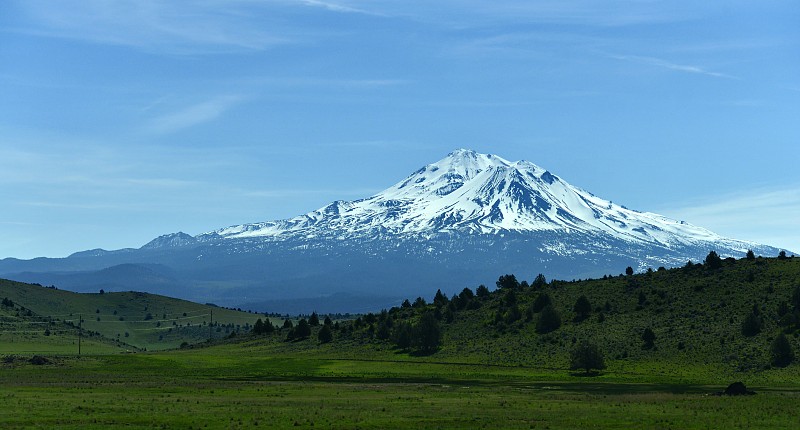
column 766, row 215
column 685, row 68
column 156, row 26
column 338, row 7
column 195, row 114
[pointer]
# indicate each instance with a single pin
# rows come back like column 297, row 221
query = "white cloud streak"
column 193, row 115
column 162, row 27
column 685, row 68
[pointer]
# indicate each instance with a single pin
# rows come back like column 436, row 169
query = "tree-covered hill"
column 719, row 314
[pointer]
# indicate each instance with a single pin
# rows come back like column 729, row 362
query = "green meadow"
column 493, row 366
column 248, row 385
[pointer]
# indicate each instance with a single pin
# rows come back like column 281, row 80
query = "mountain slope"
column 452, row 223
column 467, row 192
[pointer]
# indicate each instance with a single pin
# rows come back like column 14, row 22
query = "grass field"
column 246, row 386
column 490, row 371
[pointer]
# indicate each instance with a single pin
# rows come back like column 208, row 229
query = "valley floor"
column 251, row 386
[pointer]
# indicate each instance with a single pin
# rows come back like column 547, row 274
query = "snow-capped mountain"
column 472, row 193
column 459, row 222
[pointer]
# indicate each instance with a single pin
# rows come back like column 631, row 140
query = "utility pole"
column 80, row 333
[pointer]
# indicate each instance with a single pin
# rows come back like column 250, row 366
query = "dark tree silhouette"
column 539, row 283
column 507, row 282
column 713, row 260
column 549, row 320
column 781, row 351
column 313, row 320
column 649, row 338
column 303, row 329
column 427, row 334
column 258, row 327
column 750, row 255
column 482, row 291
column 587, row 356
column 782, row 255
column 402, row 335
column 439, row 299
column 582, row 308
column 629, row 270
column 751, row 325
column 540, row 302
column 325, row 334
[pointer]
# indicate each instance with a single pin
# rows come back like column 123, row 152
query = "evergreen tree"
column 586, row 356
column 482, row 291
column 427, row 334
column 325, row 334
column 549, row 320
column 781, row 353
column 287, row 323
column 582, row 308
column 303, row 329
column 541, row 301
column 258, row 327
column 713, row 260
column 439, row 299
column 539, row 283
column 629, row 270
column 649, row 338
column 313, row 320
column 402, row 335
column 750, row 255
column 751, row 325
column 782, row 255
column 507, row 282
column 328, row 320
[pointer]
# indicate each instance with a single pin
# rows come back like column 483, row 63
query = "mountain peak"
column 470, row 192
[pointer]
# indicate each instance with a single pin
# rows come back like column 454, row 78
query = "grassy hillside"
column 23, row 332
column 143, row 320
column 696, row 313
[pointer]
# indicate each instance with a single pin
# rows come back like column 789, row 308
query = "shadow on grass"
column 590, row 374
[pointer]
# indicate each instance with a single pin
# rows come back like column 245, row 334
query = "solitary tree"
column 649, row 338
column 549, row 320
column 781, row 351
column 751, row 255
column 507, row 281
column 582, row 308
column 303, row 329
column 540, row 282
column 427, row 334
column 439, row 299
column 313, row 320
column 782, row 255
column 713, row 260
column 258, row 327
column 325, row 334
column 629, row 270
column 587, row 356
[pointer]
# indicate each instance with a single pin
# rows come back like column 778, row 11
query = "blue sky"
column 123, row 120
